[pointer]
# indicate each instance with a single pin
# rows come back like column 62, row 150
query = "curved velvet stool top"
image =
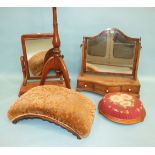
column 122, row 108
column 65, row 107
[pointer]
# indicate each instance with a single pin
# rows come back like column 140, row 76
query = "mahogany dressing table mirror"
column 42, row 60
column 110, row 63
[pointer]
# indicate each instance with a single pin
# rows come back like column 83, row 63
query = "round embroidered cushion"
column 122, row 108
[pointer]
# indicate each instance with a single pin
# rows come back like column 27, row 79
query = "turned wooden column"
column 56, row 39
column 53, row 59
column 55, row 51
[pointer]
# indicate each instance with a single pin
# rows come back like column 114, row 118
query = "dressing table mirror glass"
column 35, row 48
column 110, row 52
column 110, row 63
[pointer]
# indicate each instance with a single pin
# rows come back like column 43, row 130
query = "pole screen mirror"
column 110, row 58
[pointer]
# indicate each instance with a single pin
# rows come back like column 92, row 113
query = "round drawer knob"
column 107, row 91
column 129, row 90
column 85, row 85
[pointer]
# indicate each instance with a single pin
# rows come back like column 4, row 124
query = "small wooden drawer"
column 85, row 85
column 100, row 88
column 114, row 89
column 131, row 89
column 107, row 89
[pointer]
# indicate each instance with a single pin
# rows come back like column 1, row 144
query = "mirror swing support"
column 53, row 60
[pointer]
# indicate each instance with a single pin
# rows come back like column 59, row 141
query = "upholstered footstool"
column 122, row 108
column 69, row 109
